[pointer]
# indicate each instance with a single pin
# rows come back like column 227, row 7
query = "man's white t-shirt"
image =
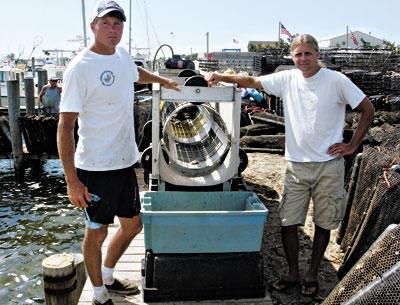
column 314, row 110
column 101, row 89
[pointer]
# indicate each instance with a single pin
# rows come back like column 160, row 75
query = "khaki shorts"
column 323, row 182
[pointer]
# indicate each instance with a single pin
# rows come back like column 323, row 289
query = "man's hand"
column 213, row 78
column 171, row 84
column 78, row 194
column 339, row 150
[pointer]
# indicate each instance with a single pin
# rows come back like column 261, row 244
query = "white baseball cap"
column 104, row 7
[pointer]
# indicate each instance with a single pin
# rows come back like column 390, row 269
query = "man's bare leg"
column 91, row 248
column 290, row 242
column 129, row 228
column 321, row 241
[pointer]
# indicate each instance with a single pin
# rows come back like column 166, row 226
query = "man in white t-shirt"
column 314, row 101
column 98, row 91
column 50, row 96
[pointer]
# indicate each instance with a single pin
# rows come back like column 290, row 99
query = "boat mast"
column 130, row 26
column 84, row 24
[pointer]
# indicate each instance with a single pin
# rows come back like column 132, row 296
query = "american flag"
column 355, row 41
column 285, row 31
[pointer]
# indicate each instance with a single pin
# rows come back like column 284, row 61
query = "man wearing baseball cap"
column 105, row 7
column 49, row 97
column 99, row 93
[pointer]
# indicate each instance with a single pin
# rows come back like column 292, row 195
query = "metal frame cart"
column 203, row 230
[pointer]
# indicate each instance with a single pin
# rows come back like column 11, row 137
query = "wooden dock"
column 129, row 267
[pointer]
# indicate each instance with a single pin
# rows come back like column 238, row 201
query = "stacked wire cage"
column 375, row 278
column 373, row 203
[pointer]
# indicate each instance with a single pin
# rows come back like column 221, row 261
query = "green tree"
column 192, row 56
column 259, row 47
column 390, row 46
column 283, row 44
column 365, row 44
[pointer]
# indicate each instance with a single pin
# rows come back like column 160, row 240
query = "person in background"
column 50, row 96
column 314, row 102
column 99, row 93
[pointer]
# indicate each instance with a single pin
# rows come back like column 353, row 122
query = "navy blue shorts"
column 117, row 192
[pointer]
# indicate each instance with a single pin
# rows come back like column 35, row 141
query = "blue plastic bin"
column 202, row 222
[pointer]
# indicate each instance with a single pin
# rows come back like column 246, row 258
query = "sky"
column 31, row 26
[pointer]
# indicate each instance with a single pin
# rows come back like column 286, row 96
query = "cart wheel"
column 196, row 80
column 147, row 130
column 187, row 73
column 145, row 159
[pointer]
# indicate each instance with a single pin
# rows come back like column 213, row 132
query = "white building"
column 238, row 61
column 346, row 41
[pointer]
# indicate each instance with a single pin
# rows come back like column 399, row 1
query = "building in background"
column 237, row 61
column 259, row 45
column 352, row 40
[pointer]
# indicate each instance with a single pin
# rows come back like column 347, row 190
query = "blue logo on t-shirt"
column 107, row 78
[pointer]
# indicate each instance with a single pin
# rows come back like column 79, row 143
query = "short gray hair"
column 302, row 39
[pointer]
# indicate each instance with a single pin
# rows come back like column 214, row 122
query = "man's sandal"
column 307, row 286
column 282, row 285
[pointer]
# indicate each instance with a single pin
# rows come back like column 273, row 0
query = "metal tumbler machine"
column 203, row 230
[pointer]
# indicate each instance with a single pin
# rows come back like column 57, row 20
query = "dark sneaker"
column 123, row 287
column 109, row 302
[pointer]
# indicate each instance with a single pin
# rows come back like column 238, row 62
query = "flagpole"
column 347, row 36
column 279, row 33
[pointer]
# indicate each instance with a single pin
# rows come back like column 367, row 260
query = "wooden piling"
column 29, row 96
column 42, row 79
column 80, row 277
column 60, row 279
column 33, row 67
column 14, row 112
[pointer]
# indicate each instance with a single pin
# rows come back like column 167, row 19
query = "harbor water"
column 36, row 221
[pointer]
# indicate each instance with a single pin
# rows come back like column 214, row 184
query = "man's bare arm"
column 147, row 77
column 241, row 81
column 77, row 191
column 367, row 112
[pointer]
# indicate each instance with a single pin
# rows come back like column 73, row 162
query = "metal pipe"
column 155, row 55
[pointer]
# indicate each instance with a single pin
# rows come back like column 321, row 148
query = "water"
column 36, row 221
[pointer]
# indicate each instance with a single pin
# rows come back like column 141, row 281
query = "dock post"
column 14, row 113
column 29, row 96
column 33, row 67
column 42, row 79
column 80, row 277
column 59, row 279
